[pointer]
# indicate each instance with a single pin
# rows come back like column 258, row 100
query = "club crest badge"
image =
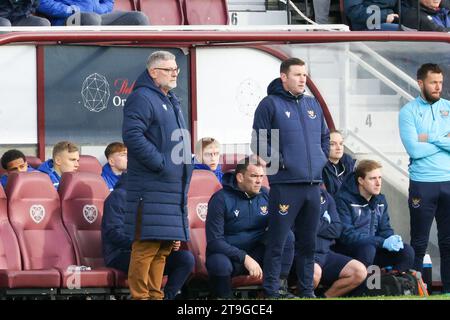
column 288, row 114
column 202, row 211
column 312, row 114
column 264, row 210
column 236, row 212
column 37, row 213
column 283, row 209
column 415, row 202
column 90, row 213
column 444, row 113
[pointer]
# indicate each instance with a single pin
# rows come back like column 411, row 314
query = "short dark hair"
column 364, row 167
column 286, row 64
column 422, row 72
column 244, row 163
column 114, row 147
column 12, row 155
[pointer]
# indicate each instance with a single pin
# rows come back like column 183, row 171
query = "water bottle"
column 427, row 272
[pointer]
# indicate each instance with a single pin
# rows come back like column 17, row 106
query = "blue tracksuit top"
column 429, row 161
column 4, row 178
column 332, row 178
column 47, row 167
column 59, row 10
column 363, row 222
column 235, row 222
column 329, row 230
column 218, row 172
column 110, row 177
column 303, row 138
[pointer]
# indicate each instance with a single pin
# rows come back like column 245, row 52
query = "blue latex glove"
column 326, row 216
column 72, row 9
column 393, row 243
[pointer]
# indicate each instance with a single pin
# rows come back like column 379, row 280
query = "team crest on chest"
column 263, row 210
column 444, row 113
column 311, row 114
column 415, row 202
column 283, row 209
column 236, row 212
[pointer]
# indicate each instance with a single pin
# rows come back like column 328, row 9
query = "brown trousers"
column 147, row 262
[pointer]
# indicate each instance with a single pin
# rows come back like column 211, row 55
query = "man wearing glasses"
column 159, row 172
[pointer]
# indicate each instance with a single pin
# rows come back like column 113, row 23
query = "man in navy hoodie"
column 236, row 226
column 117, row 246
column 339, row 164
column 89, row 12
column 290, row 134
column 207, row 154
column 116, row 154
column 65, row 158
column 367, row 234
column 14, row 161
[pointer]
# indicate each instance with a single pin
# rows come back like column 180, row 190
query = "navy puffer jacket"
column 358, row 11
column 159, row 163
column 332, row 178
column 304, row 139
column 364, row 222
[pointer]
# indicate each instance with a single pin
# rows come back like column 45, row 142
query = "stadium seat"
column 200, row 12
column 90, row 164
column 125, row 5
column 230, row 160
column 203, row 185
column 33, row 161
column 167, row 12
column 11, row 274
column 82, row 196
column 34, row 211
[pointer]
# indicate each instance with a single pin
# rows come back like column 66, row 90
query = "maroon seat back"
column 33, row 161
column 206, row 12
column 9, row 247
column 167, row 12
column 82, row 196
column 35, row 214
column 90, row 164
column 203, row 185
column 124, row 5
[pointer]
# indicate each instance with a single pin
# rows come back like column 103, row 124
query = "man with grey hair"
column 159, row 172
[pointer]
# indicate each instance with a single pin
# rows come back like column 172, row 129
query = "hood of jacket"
column 276, row 88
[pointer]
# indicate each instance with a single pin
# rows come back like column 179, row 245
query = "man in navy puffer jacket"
column 88, row 12
column 290, row 134
column 236, row 230
column 367, row 234
column 159, row 173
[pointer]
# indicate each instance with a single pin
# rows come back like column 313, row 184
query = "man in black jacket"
column 20, row 13
column 434, row 15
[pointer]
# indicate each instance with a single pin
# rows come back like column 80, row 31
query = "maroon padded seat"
column 124, row 5
column 167, row 12
column 35, row 214
column 203, row 185
column 206, row 12
column 90, row 164
column 82, row 196
column 33, row 161
column 11, row 273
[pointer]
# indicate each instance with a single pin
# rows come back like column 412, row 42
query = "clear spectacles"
column 170, row 70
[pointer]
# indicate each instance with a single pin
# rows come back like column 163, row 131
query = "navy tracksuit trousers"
column 292, row 205
column 221, row 268
column 429, row 200
column 179, row 265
